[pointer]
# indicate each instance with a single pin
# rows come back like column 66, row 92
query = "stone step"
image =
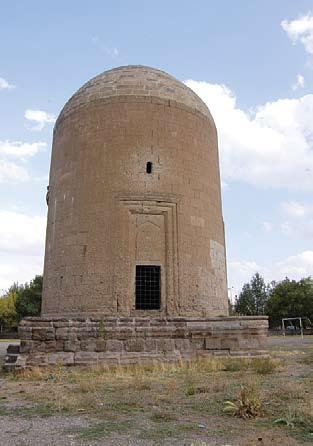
column 10, row 359
column 13, row 351
column 13, row 348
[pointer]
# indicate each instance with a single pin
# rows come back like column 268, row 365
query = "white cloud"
column 267, row 226
column 295, row 209
column 19, row 269
column 13, row 156
column 270, row 147
column 21, row 247
column 5, row 85
column 299, row 82
column 19, row 149
column 297, row 266
column 301, row 29
column 300, row 220
column 21, row 233
column 240, row 272
column 12, row 172
column 110, row 51
column 286, row 229
column 245, row 268
column 39, row 118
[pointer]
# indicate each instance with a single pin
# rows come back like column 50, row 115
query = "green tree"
column 253, row 297
column 8, row 315
column 290, row 298
column 28, row 299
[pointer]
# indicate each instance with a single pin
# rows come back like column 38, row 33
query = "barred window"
column 148, row 289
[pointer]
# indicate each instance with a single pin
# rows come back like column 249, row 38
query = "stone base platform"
column 126, row 340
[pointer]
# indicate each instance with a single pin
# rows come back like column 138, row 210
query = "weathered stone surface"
column 43, row 334
column 26, row 346
column 62, row 358
column 72, row 346
column 181, row 338
column 100, row 345
column 114, row 345
column 86, row 358
column 165, row 345
column 88, row 345
column 134, row 345
column 112, row 214
column 25, row 332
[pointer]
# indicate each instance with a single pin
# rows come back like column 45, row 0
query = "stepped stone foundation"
column 125, row 340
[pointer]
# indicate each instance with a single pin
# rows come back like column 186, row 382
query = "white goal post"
column 290, row 320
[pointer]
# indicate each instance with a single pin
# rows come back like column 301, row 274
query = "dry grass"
column 156, row 401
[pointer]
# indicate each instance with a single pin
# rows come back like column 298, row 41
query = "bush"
column 247, row 405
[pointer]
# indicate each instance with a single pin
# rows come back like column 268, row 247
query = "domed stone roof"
column 134, row 80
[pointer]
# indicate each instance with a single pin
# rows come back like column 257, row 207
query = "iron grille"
column 148, row 289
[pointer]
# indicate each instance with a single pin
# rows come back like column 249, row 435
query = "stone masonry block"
column 114, row 345
column 85, row 358
column 43, row 334
column 165, row 345
column 134, row 345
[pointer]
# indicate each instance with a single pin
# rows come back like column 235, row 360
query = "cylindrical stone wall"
column 107, row 213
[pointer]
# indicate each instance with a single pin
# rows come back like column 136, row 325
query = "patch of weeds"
column 162, row 415
column 235, row 364
column 200, row 443
column 123, row 407
column 247, row 405
column 203, row 365
column 190, row 387
column 141, row 384
column 55, row 374
column 308, row 359
column 207, row 405
column 264, row 366
column 28, row 412
column 299, row 421
column 187, row 427
column 5, row 411
column 101, row 429
column 158, row 433
column 287, row 391
column 203, row 389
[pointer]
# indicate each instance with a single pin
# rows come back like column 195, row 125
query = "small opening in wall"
column 149, row 167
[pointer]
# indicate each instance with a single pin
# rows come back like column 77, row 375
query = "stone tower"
column 135, row 220
column 135, row 251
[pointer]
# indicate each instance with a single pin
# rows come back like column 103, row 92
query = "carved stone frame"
column 166, row 205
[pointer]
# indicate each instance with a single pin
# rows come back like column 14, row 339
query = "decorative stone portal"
column 135, row 264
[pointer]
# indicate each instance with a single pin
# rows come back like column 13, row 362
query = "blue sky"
column 251, row 61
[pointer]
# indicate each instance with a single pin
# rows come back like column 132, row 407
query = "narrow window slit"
column 149, row 167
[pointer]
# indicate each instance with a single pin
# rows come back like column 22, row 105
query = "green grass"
column 102, row 429
column 28, row 412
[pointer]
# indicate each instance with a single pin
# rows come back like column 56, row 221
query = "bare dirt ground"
column 169, row 404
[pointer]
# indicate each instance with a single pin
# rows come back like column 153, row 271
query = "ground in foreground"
column 267, row 402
